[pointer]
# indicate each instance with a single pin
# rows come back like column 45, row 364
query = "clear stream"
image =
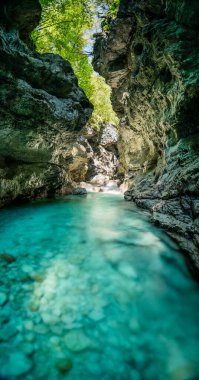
column 96, row 292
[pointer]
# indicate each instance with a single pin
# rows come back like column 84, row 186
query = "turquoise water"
column 96, row 292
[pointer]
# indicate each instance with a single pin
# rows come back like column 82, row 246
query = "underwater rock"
column 15, row 364
column 3, row 298
column 64, row 365
column 27, row 348
column 77, row 341
column 8, row 258
column 8, row 330
column 127, row 270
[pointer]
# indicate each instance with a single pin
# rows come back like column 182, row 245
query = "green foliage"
column 111, row 14
column 64, row 30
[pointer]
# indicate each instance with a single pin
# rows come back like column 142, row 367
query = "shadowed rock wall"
column 42, row 109
column 150, row 58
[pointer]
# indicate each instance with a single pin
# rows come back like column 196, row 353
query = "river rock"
column 77, row 340
column 27, row 268
column 87, row 186
column 3, row 298
column 41, row 329
column 5, row 314
column 30, row 337
column 34, row 305
column 97, row 314
column 79, row 191
column 15, row 364
column 29, row 325
column 64, row 365
column 8, row 330
column 7, row 257
column 37, row 276
column 27, row 348
column 48, row 318
column 100, row 180
column 127, row 270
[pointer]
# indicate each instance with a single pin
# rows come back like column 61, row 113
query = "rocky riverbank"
column 95, row 156
column 150, row 58
column 42, row 110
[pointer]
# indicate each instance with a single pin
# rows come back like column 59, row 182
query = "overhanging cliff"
column 150, row 58
column 42, row 109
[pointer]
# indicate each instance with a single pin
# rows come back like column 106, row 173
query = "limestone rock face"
column 23, row 16
column 95, row 155
column 150, row 58
column 42, row 110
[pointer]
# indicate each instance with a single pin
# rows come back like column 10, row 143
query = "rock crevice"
column 150, row 58
column 42, row 110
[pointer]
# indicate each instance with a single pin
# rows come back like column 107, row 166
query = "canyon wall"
column 150, row 58
column 95, row 156
column 42, row 110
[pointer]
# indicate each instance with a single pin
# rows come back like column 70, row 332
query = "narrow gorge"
column 99, row 190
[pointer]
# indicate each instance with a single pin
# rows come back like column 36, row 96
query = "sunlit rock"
column 27, row 268
column 41, row 329
column 99, row 180
column 108, row 136
column 127, row 270
column 49, row 318
column 97, row 314
column 28, row 324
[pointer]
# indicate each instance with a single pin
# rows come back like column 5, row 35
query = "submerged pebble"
column 3, row 298
column 95, row 296
column 64, row 365
column 76, row 341
column 15, row 364
column 7, row 258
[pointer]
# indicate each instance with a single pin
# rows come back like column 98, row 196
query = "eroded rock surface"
column 150, row 58
column 42, row 110
column 95, row 155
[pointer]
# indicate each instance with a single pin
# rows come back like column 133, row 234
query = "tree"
column 64, row 30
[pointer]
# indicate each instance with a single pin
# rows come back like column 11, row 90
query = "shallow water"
column 96, row 292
